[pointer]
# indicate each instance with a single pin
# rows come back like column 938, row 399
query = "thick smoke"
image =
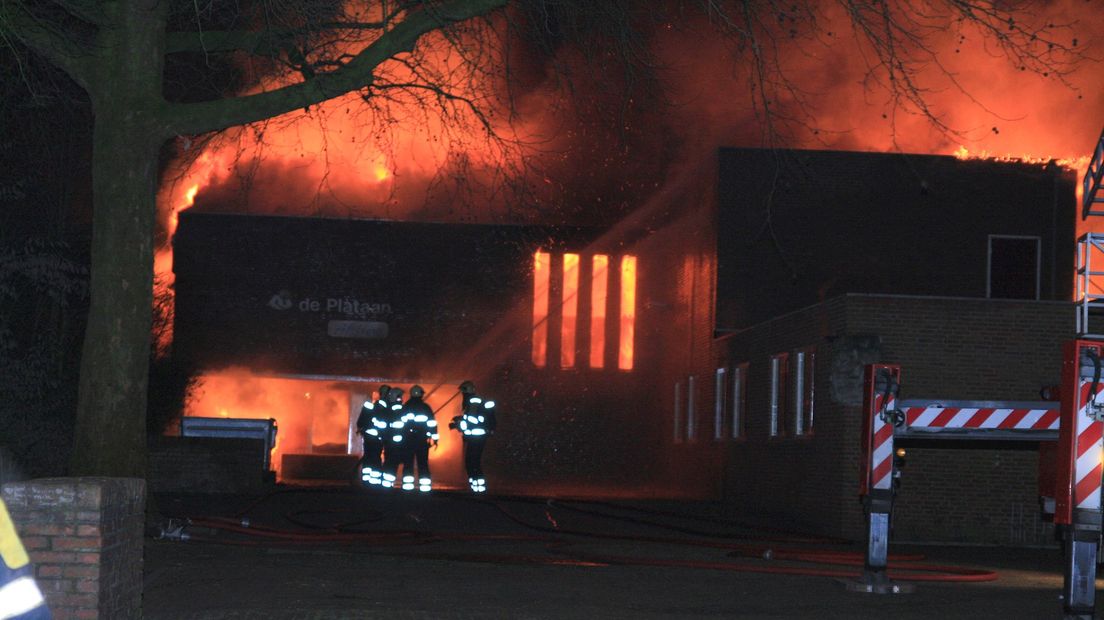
column 595, row 145
column 986, row 102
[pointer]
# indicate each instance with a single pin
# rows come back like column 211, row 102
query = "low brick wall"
column 84, row 536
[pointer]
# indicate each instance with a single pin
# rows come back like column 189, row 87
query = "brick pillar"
column 84, row 536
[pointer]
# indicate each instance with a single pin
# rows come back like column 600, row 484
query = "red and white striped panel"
column 1086, row 491
column 982, row 418
column 881, row 453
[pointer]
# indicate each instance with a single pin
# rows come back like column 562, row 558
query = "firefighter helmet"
column 383, row 390
column 417, row 391
column 395, row 394
column 467, row 387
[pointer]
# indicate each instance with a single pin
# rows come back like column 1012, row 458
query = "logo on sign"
column 281, row 301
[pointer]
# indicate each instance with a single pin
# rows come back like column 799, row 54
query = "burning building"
column 647, row 358
column 565, row 327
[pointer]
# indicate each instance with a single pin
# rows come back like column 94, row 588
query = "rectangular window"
column 720, row 381
column 599, row 284
column 628, row 312
column 738, row 410
column 779, row 395
column 542, row 270
column 1014, row 267
column 678, row 412
column 569, row 318
column 801, row 371
column 808, row 393
column 691, row 413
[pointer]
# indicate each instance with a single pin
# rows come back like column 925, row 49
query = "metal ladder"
column 1090, row 247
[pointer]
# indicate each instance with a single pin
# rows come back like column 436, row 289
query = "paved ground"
column 344, row 553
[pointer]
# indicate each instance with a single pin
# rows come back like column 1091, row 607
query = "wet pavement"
column 322, row 553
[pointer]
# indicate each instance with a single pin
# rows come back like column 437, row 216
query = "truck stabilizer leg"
column 1079, row 584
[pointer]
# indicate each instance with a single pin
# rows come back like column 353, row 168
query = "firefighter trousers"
column 473, row 456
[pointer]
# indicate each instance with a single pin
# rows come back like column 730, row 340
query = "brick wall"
column 969, row 349
column 809, row 482
column 974, row 494
column 949, row 348
column 84, row 536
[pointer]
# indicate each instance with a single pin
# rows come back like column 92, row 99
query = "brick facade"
column 84, row 536
column 949, row 348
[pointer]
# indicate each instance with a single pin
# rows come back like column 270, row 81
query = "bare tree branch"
column 46, row 38
column 87, row 10
column 358, row 73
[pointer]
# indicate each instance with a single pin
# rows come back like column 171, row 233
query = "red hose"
column 555, row 543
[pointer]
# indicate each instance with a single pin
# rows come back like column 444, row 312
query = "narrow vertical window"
column 778, row 395
column 719, row 392
column 809, row 393
column 599, row 283
column 691, row 413
column 568, row 326
column 739, row 399
column 678, row 412
column 542, row 266
column 628, row 312
column 798, row 374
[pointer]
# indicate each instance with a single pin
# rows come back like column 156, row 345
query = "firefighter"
column 20, row 596
column 393, row 436
column 370, row 424
column 475, row 423
column 421, row 433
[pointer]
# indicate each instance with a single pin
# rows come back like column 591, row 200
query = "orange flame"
column 312, row 417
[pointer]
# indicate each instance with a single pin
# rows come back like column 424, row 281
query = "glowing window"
column 542, row 266
column 628, row 312
column 570, row 310
column 599, row 285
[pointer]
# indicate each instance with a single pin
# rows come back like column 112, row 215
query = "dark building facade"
column 806, row 226
column 959, row 271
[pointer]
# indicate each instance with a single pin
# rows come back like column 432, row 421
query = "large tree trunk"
column 110, row 434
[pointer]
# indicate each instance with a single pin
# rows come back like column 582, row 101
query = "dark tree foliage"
column 43, row 263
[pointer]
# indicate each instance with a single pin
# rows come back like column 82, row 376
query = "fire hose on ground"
column 752, row 557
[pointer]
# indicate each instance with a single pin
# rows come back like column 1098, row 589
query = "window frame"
column 779, row 394
column 677, row 410
column 738, row 411
column 720, row 402
column 804, row 390
column 989, row 264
